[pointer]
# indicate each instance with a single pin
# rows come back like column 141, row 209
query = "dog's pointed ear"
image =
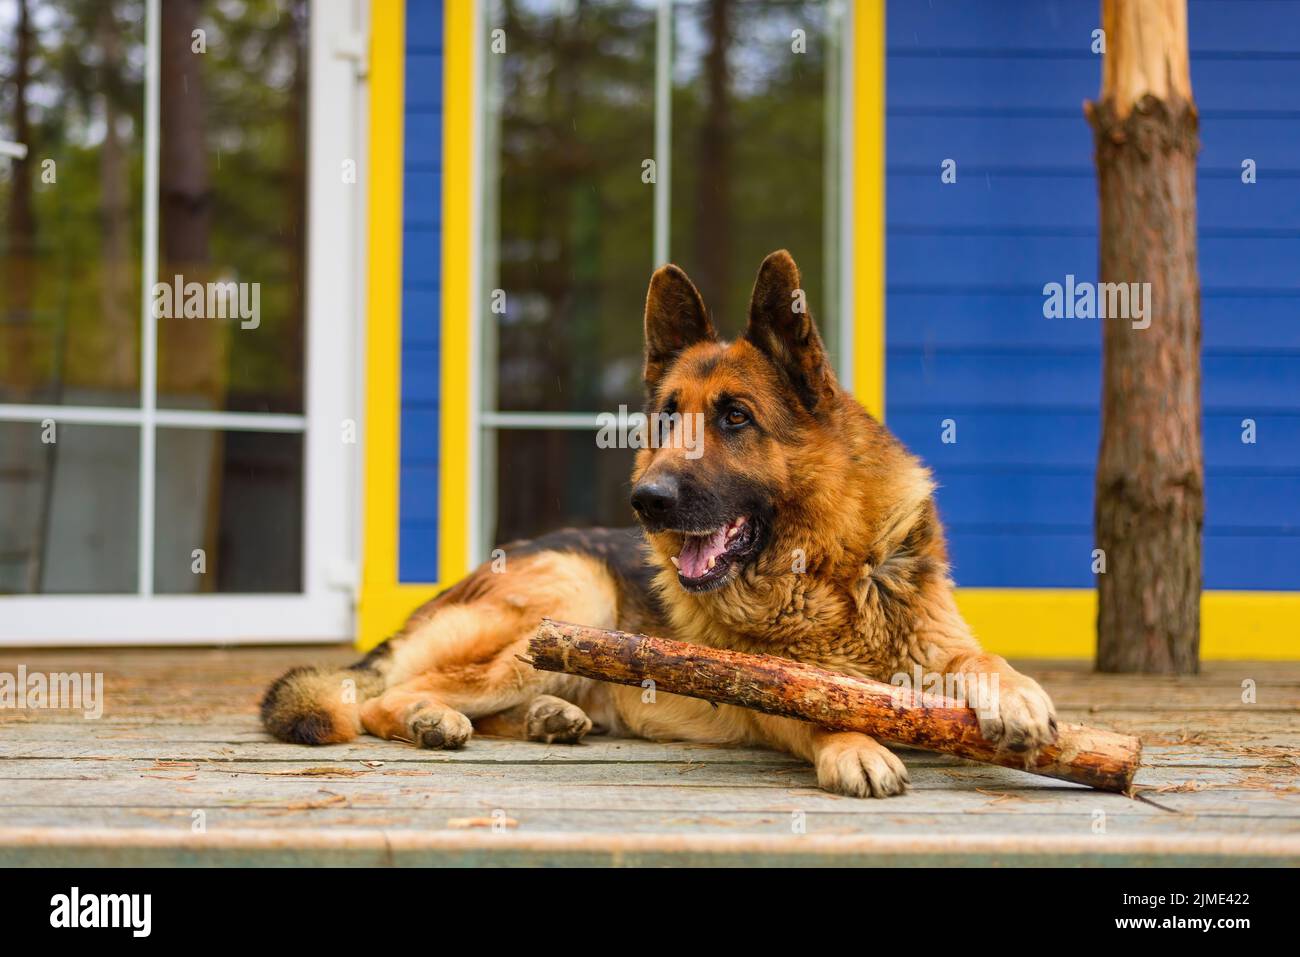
column 782, row 327
column 675, row 318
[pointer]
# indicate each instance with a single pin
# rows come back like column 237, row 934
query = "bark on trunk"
column 193, row 363
column 119, row 311
column 1099, row 759
column 1149, row 488
column 192, row 354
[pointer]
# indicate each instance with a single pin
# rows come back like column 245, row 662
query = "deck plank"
column 570, row 769
column 179, row 742
column 244, row 740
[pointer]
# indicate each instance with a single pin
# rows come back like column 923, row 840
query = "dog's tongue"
column 693, row 561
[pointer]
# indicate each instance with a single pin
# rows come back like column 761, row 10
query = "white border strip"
column 163, row 418
column 329, row 463
column 77, row 620
column 663, row 129
column 148, row 276
column 545, row 420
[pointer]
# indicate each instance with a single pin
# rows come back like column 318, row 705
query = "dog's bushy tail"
column 321, row 705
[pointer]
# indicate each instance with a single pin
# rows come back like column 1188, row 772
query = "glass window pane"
column 548, row 479
column 569, row 219
column 755, row 122
column 70, row 212
column 232, row 205
column 568, row 237
column 68, row 515
column 236, row 498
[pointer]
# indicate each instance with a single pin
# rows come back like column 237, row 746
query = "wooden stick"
column 780, row 686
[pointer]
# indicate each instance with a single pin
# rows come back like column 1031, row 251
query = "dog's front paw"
column 858, row 766
column 553, row 719
column 1017, row 715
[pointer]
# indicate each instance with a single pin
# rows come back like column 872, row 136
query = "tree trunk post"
column 1150, row 470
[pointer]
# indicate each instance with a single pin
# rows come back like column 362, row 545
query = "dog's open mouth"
column 706, row 557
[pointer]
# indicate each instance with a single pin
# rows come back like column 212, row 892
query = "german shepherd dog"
column 804, row 529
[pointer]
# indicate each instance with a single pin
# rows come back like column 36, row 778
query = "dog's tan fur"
column 853, row 576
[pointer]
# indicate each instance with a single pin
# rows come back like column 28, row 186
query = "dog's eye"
column 735, row 418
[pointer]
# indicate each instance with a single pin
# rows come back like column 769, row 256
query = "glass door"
column 646, row 142
column 171, row 467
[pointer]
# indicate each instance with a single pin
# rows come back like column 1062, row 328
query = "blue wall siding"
column 421, row 294
column 998, row 86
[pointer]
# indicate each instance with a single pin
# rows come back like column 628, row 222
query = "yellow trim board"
column 385, row 602
column 868, row 211
column 1061, row 622
column 455, row 473
column 383, row 319
column 1030, row 622
column 386, row 608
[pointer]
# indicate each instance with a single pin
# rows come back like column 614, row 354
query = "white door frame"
column 324, row 609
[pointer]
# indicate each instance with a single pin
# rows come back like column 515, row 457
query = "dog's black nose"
column 656, row 499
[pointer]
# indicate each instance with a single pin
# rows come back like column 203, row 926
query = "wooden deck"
column 178, row 772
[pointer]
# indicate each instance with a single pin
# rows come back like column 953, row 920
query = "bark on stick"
column 780, row 686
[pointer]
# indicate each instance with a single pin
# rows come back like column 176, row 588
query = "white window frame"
column 839, row 227
column 323, row 610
